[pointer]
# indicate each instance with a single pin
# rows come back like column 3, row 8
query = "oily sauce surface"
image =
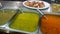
column 52, row 25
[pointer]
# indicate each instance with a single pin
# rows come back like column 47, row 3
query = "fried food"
column 35, row 4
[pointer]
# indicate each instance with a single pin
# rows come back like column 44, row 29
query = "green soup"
column 26, row 21
column 6, row 16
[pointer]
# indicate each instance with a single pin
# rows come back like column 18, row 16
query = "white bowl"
column 47, row 5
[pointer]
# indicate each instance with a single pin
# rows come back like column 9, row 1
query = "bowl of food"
column 56, row 7
column 36, row 4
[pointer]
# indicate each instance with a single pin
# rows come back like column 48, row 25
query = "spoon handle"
column 40, row 11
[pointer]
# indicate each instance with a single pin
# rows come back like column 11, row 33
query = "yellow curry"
column 26, row 22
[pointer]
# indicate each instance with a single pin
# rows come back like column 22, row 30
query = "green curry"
column 6, row 16
column 25, row 21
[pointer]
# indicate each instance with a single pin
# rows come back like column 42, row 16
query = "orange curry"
column 52, row 25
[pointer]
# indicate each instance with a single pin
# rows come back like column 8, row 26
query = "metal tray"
column 6, row 15
column 13, row 5
column 10, row 29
